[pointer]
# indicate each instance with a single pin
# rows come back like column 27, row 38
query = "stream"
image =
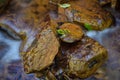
column 11, row 66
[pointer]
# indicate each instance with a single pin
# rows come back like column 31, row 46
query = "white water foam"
column 12, row 53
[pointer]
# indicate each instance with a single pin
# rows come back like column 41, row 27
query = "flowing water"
column 8, row 49
column 110, row 39
column 12, row 69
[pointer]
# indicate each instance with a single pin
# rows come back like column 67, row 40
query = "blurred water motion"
column 110, row 39
column 14, row 71
column 9, row 48
column 11, row 67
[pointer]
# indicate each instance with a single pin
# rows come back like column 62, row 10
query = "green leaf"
column 88, row 26
column 64, row 5
column 62, row 31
